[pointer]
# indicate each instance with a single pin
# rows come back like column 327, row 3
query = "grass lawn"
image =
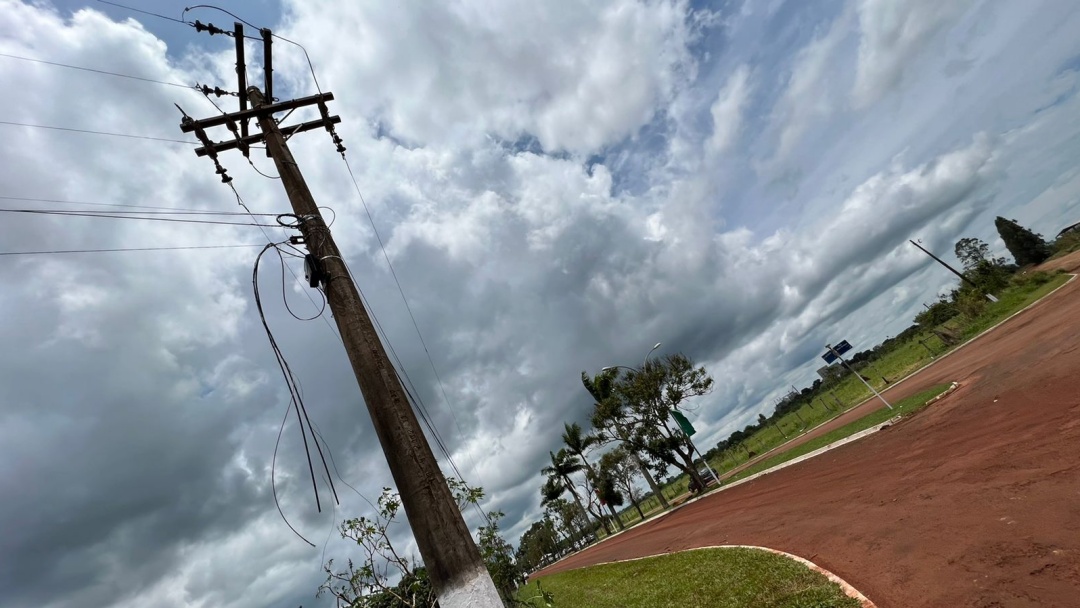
column 906, row 407
column 706, row 578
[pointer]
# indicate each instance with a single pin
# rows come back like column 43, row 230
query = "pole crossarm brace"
column 215, row 147
column 273, row 108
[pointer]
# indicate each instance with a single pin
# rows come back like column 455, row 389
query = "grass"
column 906, row 407
column 712, row 578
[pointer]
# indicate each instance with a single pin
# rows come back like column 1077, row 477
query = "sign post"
column 688, row 430
column 834, row 352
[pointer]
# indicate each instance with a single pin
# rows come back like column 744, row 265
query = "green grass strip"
column 906, row 407
column 706, row 578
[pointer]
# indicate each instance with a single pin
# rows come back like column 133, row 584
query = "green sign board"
column 684, row 424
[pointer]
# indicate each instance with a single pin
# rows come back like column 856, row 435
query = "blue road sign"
column 840, row 349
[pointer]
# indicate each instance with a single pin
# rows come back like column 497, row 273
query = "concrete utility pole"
column 453, row 562
column 954, row 271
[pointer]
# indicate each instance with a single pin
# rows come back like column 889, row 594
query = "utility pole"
column 453, row 562
column 954, row 271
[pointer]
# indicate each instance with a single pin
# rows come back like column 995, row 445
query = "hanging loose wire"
column 296, row 398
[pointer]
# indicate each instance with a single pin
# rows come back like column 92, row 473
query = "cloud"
column 728, row 109
column 893, row 36
column 541, row 178
column 577, row 77
column 810, row 92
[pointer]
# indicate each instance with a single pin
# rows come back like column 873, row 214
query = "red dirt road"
column 975, row 501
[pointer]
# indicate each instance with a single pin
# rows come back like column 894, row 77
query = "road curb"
column 845, row 586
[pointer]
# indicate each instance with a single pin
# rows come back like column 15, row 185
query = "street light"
column 693, row 447
column 643, row 363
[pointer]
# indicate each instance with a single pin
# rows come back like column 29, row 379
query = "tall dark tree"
column 1026, row 247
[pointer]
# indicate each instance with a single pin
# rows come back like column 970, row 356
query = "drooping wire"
column 260, row 172
column 285, row 300
column 273, row 473
column 297, row 399
column 58, row 251
column 243, row 205
column 333, row 463
column 307, row 57
column 89, row 132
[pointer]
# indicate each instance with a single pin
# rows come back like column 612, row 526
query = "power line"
column 416, row 326
column 127, row 213
column 69, row 129
column 307, row 57
column 137, row 10
column 96, row 71
column 59, row 251
column 128, row 217
column 119, row 205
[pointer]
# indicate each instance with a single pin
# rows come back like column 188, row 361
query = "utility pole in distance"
column 453, row 562
column 989, row 296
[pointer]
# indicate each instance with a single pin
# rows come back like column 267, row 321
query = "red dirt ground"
column 974, row 501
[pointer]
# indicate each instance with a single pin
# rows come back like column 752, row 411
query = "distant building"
column 831, row 371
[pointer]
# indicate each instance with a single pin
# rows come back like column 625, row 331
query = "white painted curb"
column 846, row 587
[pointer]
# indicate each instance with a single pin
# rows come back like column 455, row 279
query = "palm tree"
column 578, row 443
column 563, row 465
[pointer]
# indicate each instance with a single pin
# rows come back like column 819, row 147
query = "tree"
column 498, row 556
column 619, row 466
column 970, row 251
column 369, row 584
column 609, row 420
column 1026, row 247
column 578, row 443
column 538, row 545
column 571, row 518
column 563, row 465
column 647, row 397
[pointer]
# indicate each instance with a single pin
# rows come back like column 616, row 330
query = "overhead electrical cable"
column 119, row 249
column 111, row 215
column 90, row 132
column 97, row 71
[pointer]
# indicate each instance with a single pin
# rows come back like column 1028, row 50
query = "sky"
column 558, row 185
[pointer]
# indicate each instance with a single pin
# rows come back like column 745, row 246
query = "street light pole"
column 857, row 374
column 646, row 361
